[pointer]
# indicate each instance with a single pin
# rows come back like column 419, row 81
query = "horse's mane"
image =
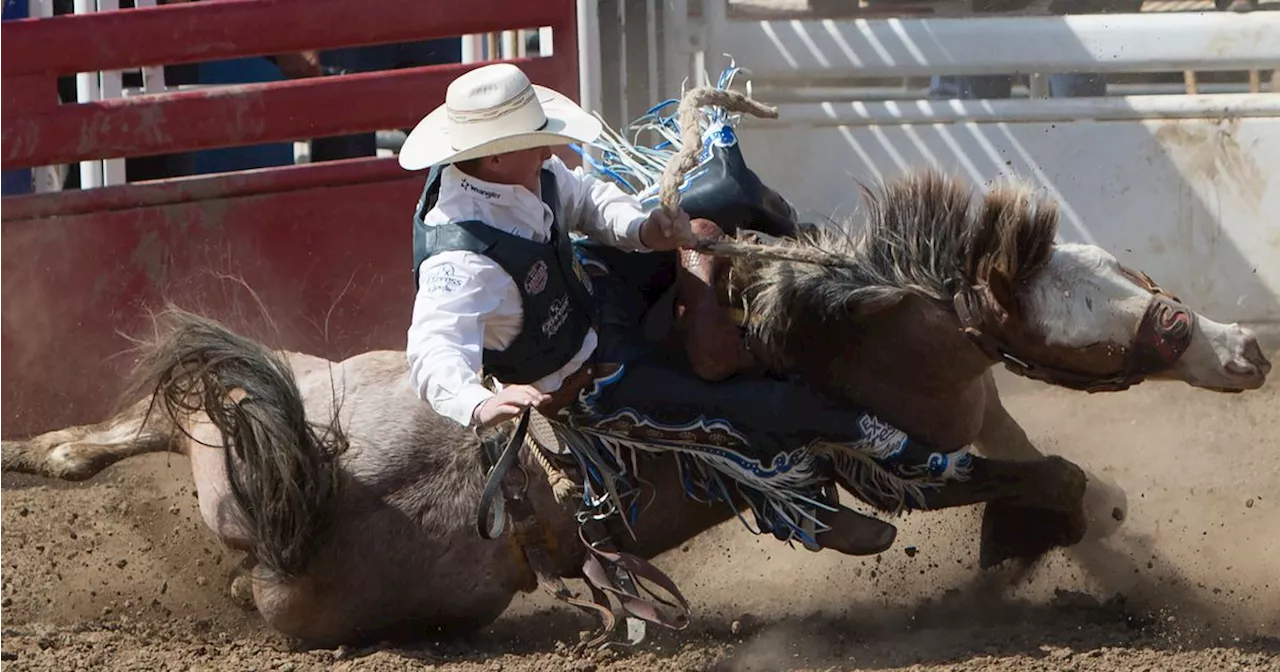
column 924, row 233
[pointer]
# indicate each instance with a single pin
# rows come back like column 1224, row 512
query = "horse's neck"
column 914, row 367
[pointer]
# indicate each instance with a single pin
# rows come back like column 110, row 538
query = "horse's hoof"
column 1011, row 532
column 1105, row 506
column 241, row 592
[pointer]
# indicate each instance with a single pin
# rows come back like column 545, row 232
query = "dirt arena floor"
column 118, row 574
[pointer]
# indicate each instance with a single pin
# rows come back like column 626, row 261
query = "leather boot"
column 852, row 533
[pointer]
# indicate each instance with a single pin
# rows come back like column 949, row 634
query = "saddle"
column 725, row 190
column 732, row 198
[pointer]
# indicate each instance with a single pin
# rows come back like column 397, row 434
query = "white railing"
column 45, row 178
column 105, row 85
column 633, row 54
column 1111, row 108
column 1100, row 43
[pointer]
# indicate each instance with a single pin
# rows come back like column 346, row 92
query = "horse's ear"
column 1003, row 291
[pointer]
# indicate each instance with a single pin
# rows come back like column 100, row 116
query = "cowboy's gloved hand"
column 508, row 404
column 661, row 233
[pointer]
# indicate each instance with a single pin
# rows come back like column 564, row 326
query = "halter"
column 1160, row 338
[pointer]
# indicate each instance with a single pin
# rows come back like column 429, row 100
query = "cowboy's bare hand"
column 661, row 232
column 508, row 404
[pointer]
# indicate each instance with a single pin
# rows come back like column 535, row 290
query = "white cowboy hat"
column 491, row 110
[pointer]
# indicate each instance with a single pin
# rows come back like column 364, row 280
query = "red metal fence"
column 326, row 247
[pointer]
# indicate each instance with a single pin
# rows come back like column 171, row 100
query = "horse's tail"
column 283, row 471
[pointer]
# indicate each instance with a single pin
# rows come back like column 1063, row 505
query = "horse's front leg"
column 78, row 453
column 1033, row 506
column 1048, row 492
column 1051, row 483
column 1002, row 438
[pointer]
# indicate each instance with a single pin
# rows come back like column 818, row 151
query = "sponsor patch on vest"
column 442, row 279
column 559, row 313
column 536, row 280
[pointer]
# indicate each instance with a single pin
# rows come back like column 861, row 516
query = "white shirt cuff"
column 468, row 400
column 633, row 234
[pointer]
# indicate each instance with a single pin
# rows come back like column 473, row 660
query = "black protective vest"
column 554, row 289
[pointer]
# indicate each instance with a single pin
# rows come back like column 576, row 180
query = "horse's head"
column 1066, row 314
column 1073, row 315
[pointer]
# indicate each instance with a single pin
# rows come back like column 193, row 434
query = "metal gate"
column 325, row 247
column 1186, row 186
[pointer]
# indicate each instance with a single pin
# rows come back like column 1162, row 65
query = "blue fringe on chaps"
column 779, row 442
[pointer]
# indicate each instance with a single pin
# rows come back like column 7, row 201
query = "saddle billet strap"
column 494, row 480
column 593, row 569
column 561, row 397
column 528, row 534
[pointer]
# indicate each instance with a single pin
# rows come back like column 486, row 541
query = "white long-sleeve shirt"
column 466, row 302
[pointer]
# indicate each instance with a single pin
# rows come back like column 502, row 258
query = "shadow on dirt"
column 966, row 623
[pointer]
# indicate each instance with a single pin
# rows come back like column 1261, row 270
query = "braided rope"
column 691, row 135
column 542, row 434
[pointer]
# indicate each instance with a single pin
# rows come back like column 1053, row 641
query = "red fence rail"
column 207, row 31
column 325, row 247
column 39, row 131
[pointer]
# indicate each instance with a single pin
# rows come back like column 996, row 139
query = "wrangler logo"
column 491, row 195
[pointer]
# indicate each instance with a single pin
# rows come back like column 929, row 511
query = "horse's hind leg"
column 80, row 452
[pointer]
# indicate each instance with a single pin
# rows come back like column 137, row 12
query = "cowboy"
column 501, row 289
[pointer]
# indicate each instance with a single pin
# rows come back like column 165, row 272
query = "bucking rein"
column 534, row 431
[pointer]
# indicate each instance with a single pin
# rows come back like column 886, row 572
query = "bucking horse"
column 358, row 506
